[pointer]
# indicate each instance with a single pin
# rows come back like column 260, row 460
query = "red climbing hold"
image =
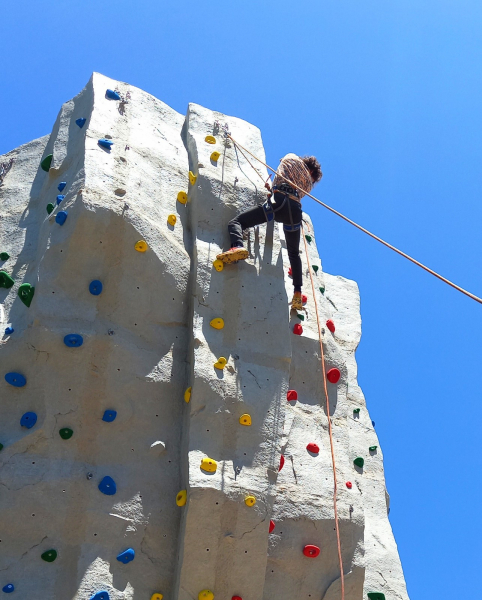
column 333, row 375
column 236, row 598
column 281, row 463
column 290, row 272
column 349, row 485
column 292, row 395
column 304, row 298
column 312, row 447
column 297, row 329
column 311, row 551
column 272, row 525
column 330, row 325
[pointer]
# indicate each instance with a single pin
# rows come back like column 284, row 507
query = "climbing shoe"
column 233, row 255
column 297, row 302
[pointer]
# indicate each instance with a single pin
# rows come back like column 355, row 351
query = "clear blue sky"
column 387, row 94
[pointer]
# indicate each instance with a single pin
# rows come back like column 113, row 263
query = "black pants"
column 256, row 216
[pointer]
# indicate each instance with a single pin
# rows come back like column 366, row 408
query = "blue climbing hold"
column 107, row 486
column 9, row 588
column 60, row 197
column 80, row 122
column 9, row 330
column 15, row 379
column 95, row 287
column 61, row 217
column 73, row 340
column 112, row 95
column 61, row 186
column 109, row 416
column 28, row 420
column 373, row 423
column 100, row 596
column 107, row 144
column 126, row 556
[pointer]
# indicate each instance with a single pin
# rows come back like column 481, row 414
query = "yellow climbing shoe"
column 233, row 255
column 297, row 302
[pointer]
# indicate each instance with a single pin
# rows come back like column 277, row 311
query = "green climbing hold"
column 4, row 255
column 372, row 448
column 315, row 268
column 301, row 317
column 1, row 447
column 308, row 238
column 50, row 207
column 322, row 290
column 25, row 293
column 356, row 411
column 376, row 596
column 47, row 161
column 359, row 462
column 66, row 433
column 5, row 280
column 49, row 555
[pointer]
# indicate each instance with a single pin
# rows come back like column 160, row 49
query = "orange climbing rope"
column 375, row 237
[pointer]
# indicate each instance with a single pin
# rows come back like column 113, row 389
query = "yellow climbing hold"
column 245, row 419
column 171, row 219
column 222, row 362
column 141, row 246
column 182, row 197
column 218, row 265
column 250, row 500
column 217, row 323
column 157, row 597
column 192, row 177
column 210, row 139
column 215, row 156
column 209, row 465
column 206, row 595
column 187, row 394
column 181, row 498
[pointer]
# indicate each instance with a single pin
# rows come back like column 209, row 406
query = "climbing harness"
column 372, row 235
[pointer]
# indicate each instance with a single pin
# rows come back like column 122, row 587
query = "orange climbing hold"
column 333, row 375
column 330, row 325
column 171, row 219
column 141, row 246
column 245, row 419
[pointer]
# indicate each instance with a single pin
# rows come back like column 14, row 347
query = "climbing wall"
column 163, row 424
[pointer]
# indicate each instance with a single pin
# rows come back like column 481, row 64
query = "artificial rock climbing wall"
column 149, row 396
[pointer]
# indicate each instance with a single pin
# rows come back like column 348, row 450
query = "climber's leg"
column 249, row 218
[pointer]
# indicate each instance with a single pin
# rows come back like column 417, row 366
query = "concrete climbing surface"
column 128, row 331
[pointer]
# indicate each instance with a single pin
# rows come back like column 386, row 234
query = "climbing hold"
column 210, row 139
column 182, row 197
column 297, row 329
column 49, row 555
column 301, row 317
column 250, row 500
column 47, row 161
column 9, row 588
column 1, row 447
column 376, row 596
column 206, row 595
column 15, row 379
column 50, row 207
column 372, row 448
column 126, row 556
column 4, row 255
column 359, row 462
column 73, row 340
column 157, row 597
column 112, row 95
column 292, row 395
column 66, row 433
column 281, row 463
column 330, row 325
column 25, row 293
column 304, row 298
column 221, row 363
column 187, row 394
column 322, row 290
column 181, row 498
column 109, row 416
column 158, row 446
column 272, row 525
column 171, row 219
column 28, row 420
column 95, row 287
column 333, row 375
column 141, row 246
column 107, row 144
column 245, row 419
column 215, row 156
column 218, row 265
column 103, row 595
column 107, row 486
column 5, row 280
column 373, row 423
column 311, row 551
column 217, row 323
column 315, row 268
column 61, row 186
column 60, row 197
column 236, row 598
column 290, row 272
column 9, row 330
column 61, row 217
column 209, row 465
column 356, row 411
column 192, row 177
column 349, row 485
column 312, row 447
column 80, row 122
column 308, row 238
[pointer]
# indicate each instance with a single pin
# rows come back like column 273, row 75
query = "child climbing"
column 285, row 208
